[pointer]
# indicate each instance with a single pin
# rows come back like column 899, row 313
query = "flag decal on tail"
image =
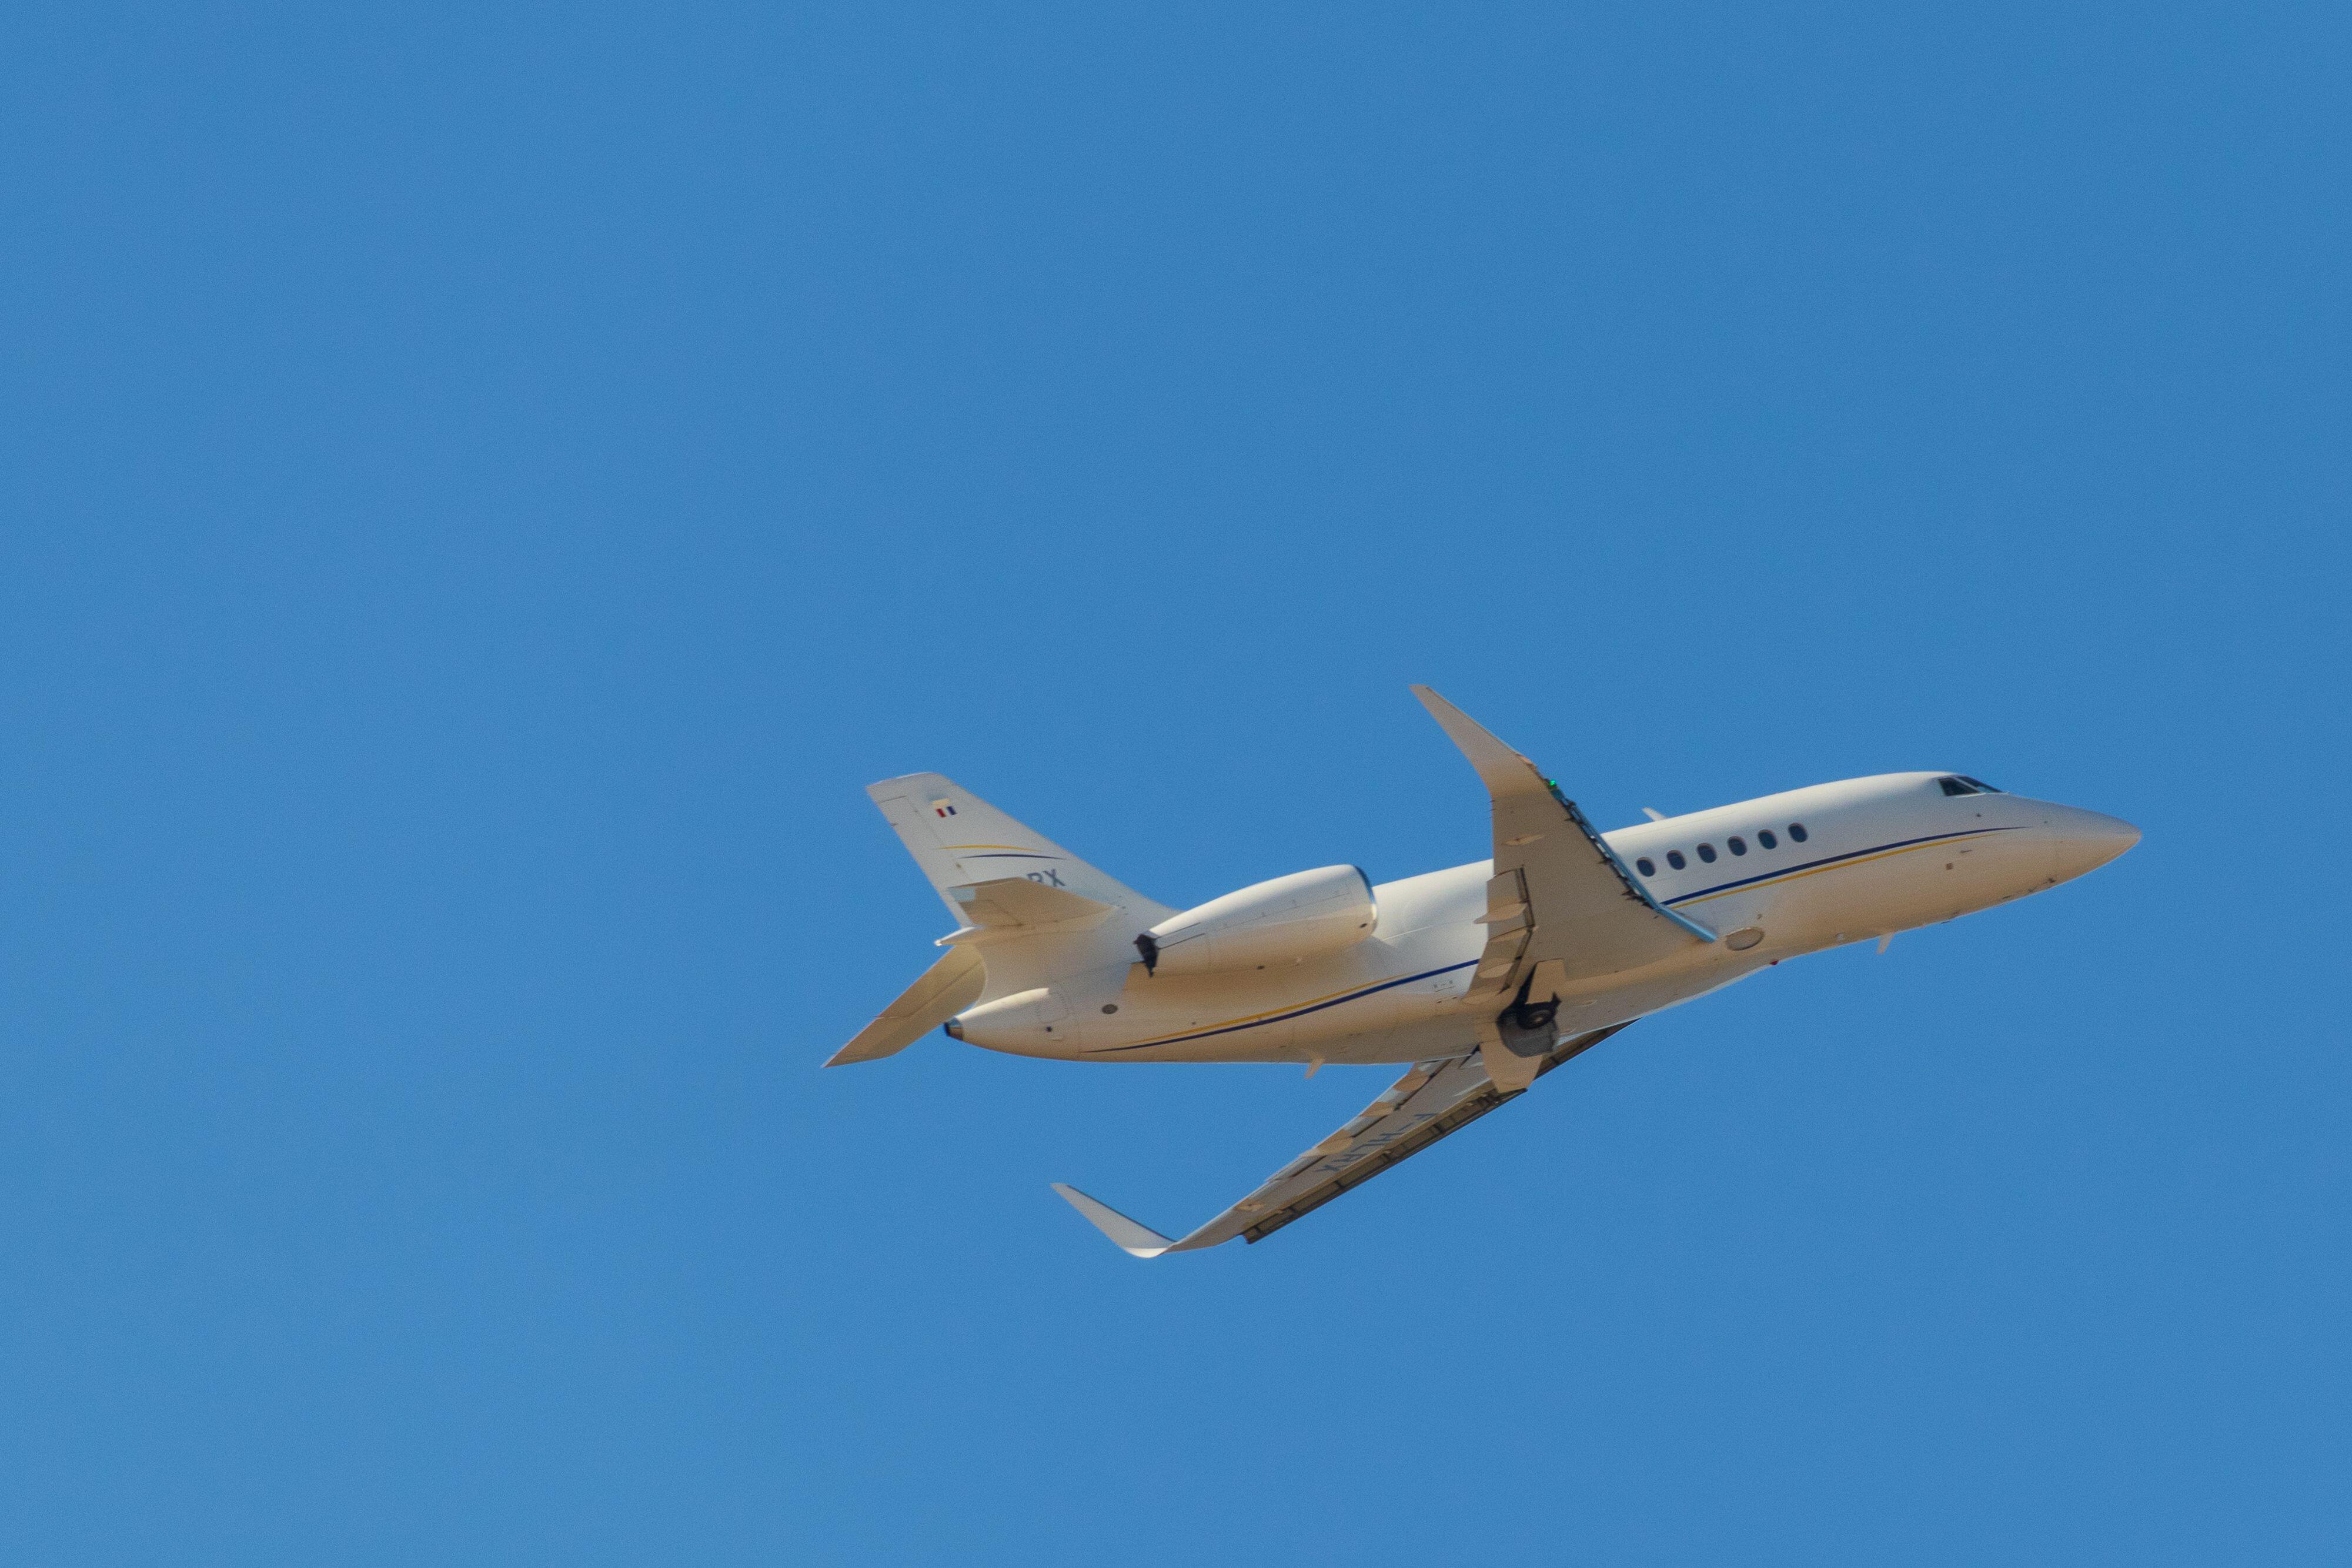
column 944, row 808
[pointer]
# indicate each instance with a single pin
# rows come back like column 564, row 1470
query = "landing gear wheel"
column 1526, row 1026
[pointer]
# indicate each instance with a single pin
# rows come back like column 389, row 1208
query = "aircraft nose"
column 2086, row 841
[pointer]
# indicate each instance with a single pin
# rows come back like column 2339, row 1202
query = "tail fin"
column 959, row 838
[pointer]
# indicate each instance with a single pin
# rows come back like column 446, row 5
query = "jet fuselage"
column 1772, row 878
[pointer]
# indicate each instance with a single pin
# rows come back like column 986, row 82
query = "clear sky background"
column 486, row 488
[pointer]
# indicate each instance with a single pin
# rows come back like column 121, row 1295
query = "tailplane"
column 946, row 988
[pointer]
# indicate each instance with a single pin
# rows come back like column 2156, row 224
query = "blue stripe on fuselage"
column 1826, row 860
column 1430, row 974
column 1301, row 1012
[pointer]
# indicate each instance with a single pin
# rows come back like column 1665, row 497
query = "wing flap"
column 1452, row 1097
column 1434, row 1101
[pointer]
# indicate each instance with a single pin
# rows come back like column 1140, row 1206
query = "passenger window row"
column 1765, row 839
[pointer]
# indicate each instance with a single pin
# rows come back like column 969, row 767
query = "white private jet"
column 1484, row 978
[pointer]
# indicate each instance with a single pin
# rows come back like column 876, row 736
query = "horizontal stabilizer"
column 1136, row 1240
column 946, row 988
column 1014, row 906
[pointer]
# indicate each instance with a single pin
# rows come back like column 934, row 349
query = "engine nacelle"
column 1307, row 915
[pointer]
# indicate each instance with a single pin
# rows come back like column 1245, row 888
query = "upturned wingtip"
column 1135, row 1240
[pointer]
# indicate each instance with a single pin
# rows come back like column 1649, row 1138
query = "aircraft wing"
column 1432, row 1100
column 1560, row 906
column 1583, row 909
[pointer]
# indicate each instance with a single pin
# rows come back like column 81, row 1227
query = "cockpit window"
column 1980, row 784
column 1955, row 787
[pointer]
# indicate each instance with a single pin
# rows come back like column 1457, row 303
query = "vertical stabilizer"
column 957, row 839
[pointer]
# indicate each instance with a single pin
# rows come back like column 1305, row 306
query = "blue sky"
column 487, row 487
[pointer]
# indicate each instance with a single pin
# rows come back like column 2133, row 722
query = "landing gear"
column 1527, row 1027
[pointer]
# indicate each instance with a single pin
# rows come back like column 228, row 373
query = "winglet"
column 1135, row 1240
column 1500, row 767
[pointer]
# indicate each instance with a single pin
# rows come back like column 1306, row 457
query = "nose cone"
column 2086, row 840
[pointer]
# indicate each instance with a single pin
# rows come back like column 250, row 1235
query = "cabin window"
column 1735, row 844
column 1644, row 867
column 1767, row 840
column 1797, row 833
column 1674, row 859
column 1706, row 853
